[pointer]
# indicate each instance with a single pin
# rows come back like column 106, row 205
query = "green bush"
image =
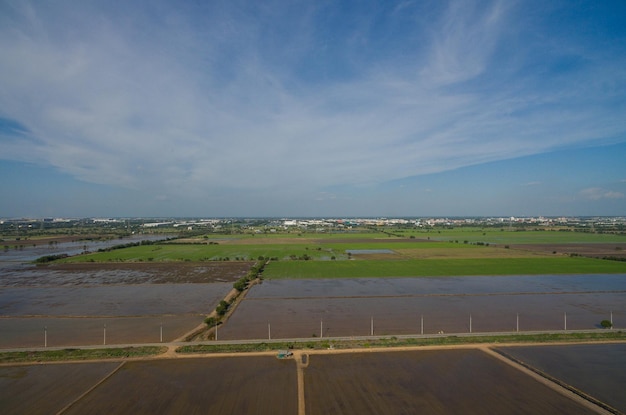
column 606, row 324
column 240, row 285
column 222, row 308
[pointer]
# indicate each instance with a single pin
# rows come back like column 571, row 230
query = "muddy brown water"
column 597, row 369
column 46, row 389
column 30, row 250
column 396, row 306
column 76, row 315
column 250, row 385
column 90, row 331
column 69, row 304
column 236, row 385
column 112, row 300
column 432, row 382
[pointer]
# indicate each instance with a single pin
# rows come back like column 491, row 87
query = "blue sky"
column 324, row 108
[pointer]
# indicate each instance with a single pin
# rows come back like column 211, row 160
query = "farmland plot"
column 597, row 369
column 46, row 389
column 238, row 385
column 433, row 382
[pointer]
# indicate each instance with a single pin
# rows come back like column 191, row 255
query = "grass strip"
column 79, row 354
column 321, row 344
column 235, row 348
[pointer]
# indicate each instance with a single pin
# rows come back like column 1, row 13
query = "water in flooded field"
column 306, row 308
column 70, row 307
column 11, row 255
column 111, row 300
column 392, row 306
column 439, row 285
column 596, row 369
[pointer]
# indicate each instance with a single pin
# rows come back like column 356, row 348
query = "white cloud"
column 598, row 193
column 187, row 103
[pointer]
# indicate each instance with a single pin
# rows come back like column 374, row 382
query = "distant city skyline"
column 312, row 109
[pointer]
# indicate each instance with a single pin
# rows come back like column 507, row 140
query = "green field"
column 441, row 267
column 505, row 236
column 245, row 250
column 461, row 251
column 197, row 252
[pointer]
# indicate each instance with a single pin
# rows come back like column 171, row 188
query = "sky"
column 312, row 108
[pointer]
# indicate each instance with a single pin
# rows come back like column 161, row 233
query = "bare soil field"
column 483, row 252
column 596, row 250
column 46, row 389
column 383, row 241
column 379, row 256
column 597, row 369
column 125, row 273
column 433, row 382
column 232, row 385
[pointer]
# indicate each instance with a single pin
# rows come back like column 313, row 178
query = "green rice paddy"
column 445, row 252
column 441, row 267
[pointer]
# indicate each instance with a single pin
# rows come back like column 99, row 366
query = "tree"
column 221, row 308
column 606, row 324
column 240, row 285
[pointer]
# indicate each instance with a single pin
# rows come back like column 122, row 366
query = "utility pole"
column 422, row 325
column 372, row 327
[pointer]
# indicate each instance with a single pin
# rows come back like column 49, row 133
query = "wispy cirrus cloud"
column 598, row 193
column 200, row 98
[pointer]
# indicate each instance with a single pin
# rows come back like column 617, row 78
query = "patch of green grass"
column 505, row 236
column 79, row 354
column 321, row 344
column 360, row 245
column 202, row 252
column 441, row 267
column 233, row 348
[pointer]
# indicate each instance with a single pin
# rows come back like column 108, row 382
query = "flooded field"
column 335, row 308
column 111, row 300
column 29, row 250
column 46, row 389
column 250, row 385
column 433, row 382
column 81, row 331
column 463, row 381
column 597, row 369
column 71, row 304
column 112, row 273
